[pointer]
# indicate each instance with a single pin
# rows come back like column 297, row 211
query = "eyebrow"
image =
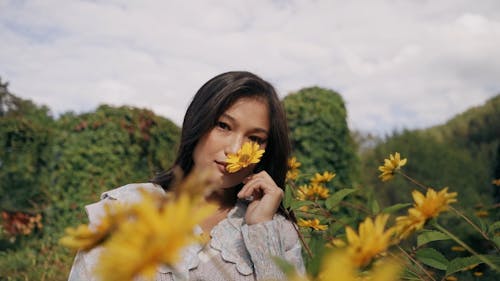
column 257, row 129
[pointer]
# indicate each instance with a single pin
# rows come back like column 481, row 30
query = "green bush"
column 320, row 136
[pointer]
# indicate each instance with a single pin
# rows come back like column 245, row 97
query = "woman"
column 249, row 227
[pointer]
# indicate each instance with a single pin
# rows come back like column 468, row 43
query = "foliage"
column 53, row 167
column 366, row 244
column 320, row 135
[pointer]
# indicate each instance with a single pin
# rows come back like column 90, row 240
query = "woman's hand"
column 266, row 195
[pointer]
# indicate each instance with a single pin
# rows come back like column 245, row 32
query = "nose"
column 233, row 145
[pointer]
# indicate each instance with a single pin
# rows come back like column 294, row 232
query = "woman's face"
column 246, row 120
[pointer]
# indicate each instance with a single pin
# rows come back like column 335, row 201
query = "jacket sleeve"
column 85, row 261
column 275, row 238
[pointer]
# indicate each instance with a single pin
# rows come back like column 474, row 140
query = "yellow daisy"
column 496, row 182
column 322, row 178
column 425, row 207
column 312, row 192
column 390, row 165
column 292, row 174
column 86, row 237
column 152, row 236
column 339, row 266
column 372, row 240
column 293, row 163
column 249, row 153
column 314, row 224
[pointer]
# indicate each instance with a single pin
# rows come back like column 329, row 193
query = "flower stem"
column 416, row 262
column 470, row 222
column 424, row 188
column 461, row 243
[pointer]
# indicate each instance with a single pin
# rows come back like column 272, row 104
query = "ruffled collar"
column 226, row 238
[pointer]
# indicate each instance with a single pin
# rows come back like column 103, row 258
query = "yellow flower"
column 425, row 207
column 293, row 169
column 496, row 182
column 312, row 192
column 339, row 266
column 336, row 243
column 478, row 273
column 314, row 224
column 152, row 236
column 86, row 237
column 451, row 278
column 390, row 165
column 433, row 202
column 322, row 178
column 249, row 153
column 293, row 163
column 458, row 249
column 482, row 213
column 292, row 174
column 372, row 240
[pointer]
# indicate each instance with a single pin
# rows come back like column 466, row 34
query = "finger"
column 248, row 188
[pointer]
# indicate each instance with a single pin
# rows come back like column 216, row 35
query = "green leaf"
column 335, row 198
column 295, row 204
column 409, row 275
column 492, row 228
column 432, row 258
column 284, row 265
column 496, row 240
column 429, row 236
column 395, row 208
column 460, row 264
column 287, row 201
column 375, row 207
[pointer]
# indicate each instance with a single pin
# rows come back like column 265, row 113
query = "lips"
column 221, row 165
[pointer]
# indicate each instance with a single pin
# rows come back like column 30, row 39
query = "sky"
column 397, row 63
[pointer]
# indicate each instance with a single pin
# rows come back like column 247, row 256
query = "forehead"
column 254, row 111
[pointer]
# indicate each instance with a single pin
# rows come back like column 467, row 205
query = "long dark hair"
column 210, row 102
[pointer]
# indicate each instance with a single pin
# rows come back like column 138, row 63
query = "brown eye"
column 257, row 140
column 223, row 125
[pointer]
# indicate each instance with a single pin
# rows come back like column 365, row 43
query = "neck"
column 224, row 198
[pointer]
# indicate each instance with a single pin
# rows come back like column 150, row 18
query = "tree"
column 320, row 135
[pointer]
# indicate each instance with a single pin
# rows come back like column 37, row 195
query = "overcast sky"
column 397, row 64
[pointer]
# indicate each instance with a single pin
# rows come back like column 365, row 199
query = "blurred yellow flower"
column 312, row 192
column 85, row 237
column 293, row 169
column 406, row 225
column 390, row 165
column 314, row 224
column 451, row 278
column 482, row 213
column 425, row 207
column 478, row 273
column 249, row 153
column 340, row 267
column 152, row 236
column 496, row 182
column 336, row 243
column 372, row 240
column 293, row 163
column 292, row 174
column 322, row 178
column 458, row 249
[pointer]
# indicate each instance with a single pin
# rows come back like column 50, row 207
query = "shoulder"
column 129, row 193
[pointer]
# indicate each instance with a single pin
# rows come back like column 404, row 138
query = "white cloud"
column 396, row 63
